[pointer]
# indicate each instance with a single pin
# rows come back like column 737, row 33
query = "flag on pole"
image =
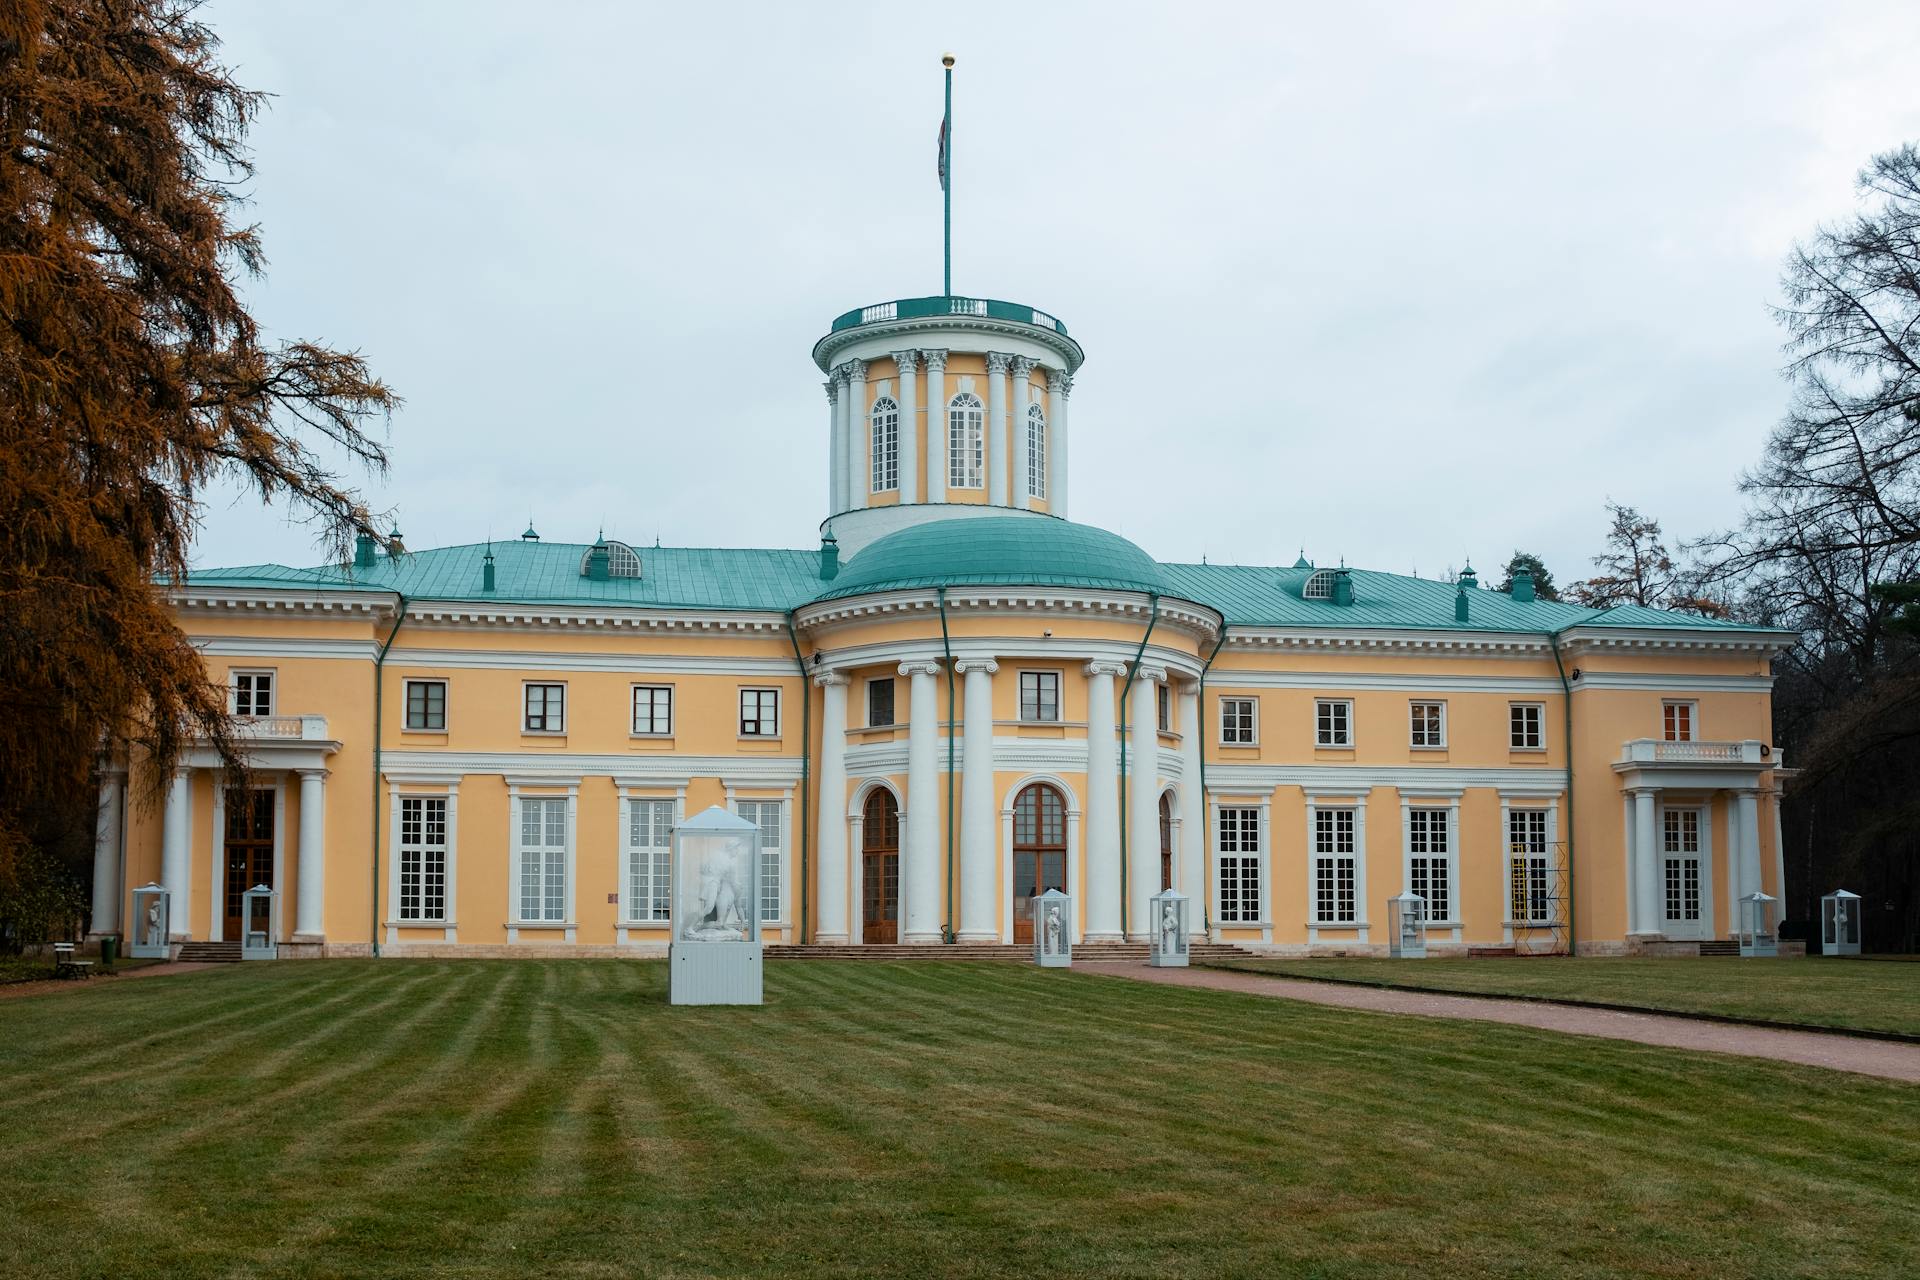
column 944, row 121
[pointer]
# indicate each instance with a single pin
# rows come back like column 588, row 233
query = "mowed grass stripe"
column 508, row 1118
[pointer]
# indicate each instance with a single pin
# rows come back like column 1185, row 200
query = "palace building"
column 958, row 699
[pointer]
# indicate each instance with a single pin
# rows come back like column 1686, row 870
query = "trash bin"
column 109, row 950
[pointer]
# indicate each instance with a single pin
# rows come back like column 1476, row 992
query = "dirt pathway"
column 51, row 986
column 1887, row 1059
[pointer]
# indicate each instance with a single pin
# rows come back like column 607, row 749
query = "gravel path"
column 1889, row 1060
column 52, row 986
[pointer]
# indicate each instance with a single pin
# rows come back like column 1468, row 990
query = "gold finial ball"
column 946, row 60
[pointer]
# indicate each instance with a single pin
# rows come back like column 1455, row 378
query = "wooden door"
column 1039, row 852
column 249, row 850
column 1166, row 842
column 880, row 869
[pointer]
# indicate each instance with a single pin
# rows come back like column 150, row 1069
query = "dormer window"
column 622, row 560
column 1319, row 586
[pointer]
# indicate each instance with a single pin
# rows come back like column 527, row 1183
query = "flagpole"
column 946, row 188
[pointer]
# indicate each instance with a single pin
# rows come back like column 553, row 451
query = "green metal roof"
column 917, row 308
column 1036, row 551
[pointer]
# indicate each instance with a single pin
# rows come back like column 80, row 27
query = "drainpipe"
column 806, row 774
column 1153, row 618
column 1566, row 689
column 379, row 672
column 946, row 645
column 1200, row 712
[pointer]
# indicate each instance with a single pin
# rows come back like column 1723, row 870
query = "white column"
column 978, row 865
column 998, row 449
column 1779, row 855
column 175, row 824
column 1748, row 852
column 834, row 432
column 936, row 425
column 1103, row 805
column 106, row 854
column 1646, row 860
column 858, row 484
column 1193, row 815
column 920, row 887
column 310, row 892
column 907, row 363
column 830, row 926
column 1143, row 801
column 1017, row 425
column 1059, row 387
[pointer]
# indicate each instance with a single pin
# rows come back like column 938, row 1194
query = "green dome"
column 1012, row 551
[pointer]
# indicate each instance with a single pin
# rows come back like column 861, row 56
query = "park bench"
column 66, row 966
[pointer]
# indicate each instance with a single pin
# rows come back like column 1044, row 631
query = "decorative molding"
column 919, row 668
column 936, row 360
column 1105, row 668
column 557, row 768
column 345, row 602
column 1152, row 675
column 906, row 361
column 997, row 363
column 433, row 614
column 638, row 665
column 833, row 391
column 1016, row 601
column 1023, row 367
column 1347, row 779
column 284, row 647
column 877, row 333
column 830, row 679
column 1060, row 380
column 856, row 370
column 966, row 665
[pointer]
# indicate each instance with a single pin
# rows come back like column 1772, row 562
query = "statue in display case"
column 714, row 957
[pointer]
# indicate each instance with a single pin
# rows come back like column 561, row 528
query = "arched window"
column 622, row 560
column 880, row 868
column 1039, row 851
column 966, row 441
column 1319, row 586
column 1036, row 452
column 886, row 445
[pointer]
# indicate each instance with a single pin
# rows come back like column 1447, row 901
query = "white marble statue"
column 155, row 936
column 717, row 916
column 1053, row 930
column 1169, row 929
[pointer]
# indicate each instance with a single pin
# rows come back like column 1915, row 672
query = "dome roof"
column 1036, row 551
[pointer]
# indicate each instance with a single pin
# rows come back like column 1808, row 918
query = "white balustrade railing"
column 304, row 728
column 1655, row 751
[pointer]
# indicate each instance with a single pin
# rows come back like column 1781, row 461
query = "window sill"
column 660, row 925
column 652, row 737
column 1328, row 748
column 1238, row 746
column 1341, row 926
column 419, row 924
column 543, row 924
column 1441, row 749
column 771, row 740
column 1531, row 924
column 1242, row 924
column 1527, row 751
column 426, row 733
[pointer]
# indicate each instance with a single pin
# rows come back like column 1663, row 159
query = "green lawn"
column 1876, row 995
column 518, row 1118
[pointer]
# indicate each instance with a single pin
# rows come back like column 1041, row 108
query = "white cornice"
column 1346, row 779
column 284, row 647
column 883, row 335
column 1069, row 649
column 196, row 600
column 637, row 665
column 1666, row 682
column 560, row 766
column 1479, row 644
column 460, row 614
column 1038, row 602
column 1578, row 640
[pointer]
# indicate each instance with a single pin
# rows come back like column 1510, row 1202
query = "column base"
column 830, row 940
column 923, row 939
column 979, row 935
column 1140, row 937
column 315, row 938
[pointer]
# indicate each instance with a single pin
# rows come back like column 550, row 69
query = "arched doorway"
column 1039, row 851
column 880, row 868
column 1166, row 841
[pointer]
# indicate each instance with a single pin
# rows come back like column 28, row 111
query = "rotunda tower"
column 944, row 408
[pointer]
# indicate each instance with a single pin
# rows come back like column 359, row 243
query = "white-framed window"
column 1332, row 722
column 1238, row 864
column 1163, row 706
column 251, row 692
column 880, row 702
column 1040, row 696
column 1239, row 722
column 426, row 706
column 1036, row 452
column 1319, row 585
column 1428, row 726
column 1528, row 879
column 1430, row 860
column 423, row 858
column 1526, row 721
column 652, row 710
column 543, row 858
column 1335, row 875
column 886, row 445
column 771, row 817
column 649, row 860
column 759, row 713
column 1677, row 720
column 546, row 708
column 966, row 441
column 1680, row 843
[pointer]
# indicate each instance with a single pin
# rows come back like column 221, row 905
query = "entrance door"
column 1166, row 841
column 1682, row 876
column 880, row 869
column 249, row 850
column 1039, row 852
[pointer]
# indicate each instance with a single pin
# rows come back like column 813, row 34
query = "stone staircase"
column 209, row 953
column 1200, row 953
column 1720, row 947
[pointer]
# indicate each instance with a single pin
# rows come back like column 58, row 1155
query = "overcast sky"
column 1398, row 283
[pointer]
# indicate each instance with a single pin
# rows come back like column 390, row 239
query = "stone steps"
column 209, row 953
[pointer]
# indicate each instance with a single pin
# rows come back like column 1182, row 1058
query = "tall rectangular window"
column 1430, row 861
column 1429, row 724
column 543, row 859
column 1334, row 870
column 1163, row 706
column 1036, row 452
column 653, row 710
column 649, row 859
column 759, row 713
column 880, row 702
column 1528, row 879
column 1333, row 722
column 1237, row 724
column 546, row 709
column 423, row 858
column 253, row 693
column 770, row 817
column 1239, row 864
column 1681, row 865
column 1677, row 721
column 1040, row 695
column 1524, row 721
column 966, row 441
column 427, row 706
column 885, row 450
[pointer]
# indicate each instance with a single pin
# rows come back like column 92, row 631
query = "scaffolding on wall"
column 1537, row 900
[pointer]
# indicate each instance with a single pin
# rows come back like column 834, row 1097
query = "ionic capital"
column 1152, row 675
column 829, row 679
column 906, row 362
column 314, row 773
column 966, row 665
column 919, row 668
column 997, row 362
column 936, row 361
column 1103, row 667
